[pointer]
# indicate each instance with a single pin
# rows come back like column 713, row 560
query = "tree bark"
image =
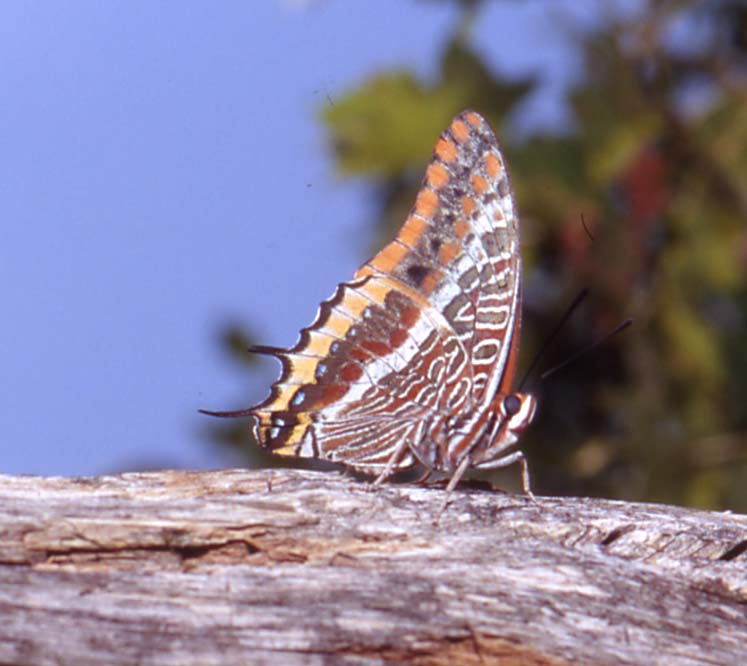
column 299, row 567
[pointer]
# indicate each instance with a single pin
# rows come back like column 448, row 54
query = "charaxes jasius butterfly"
column 412, row 361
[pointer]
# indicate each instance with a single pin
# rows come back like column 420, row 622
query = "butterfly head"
column 517, row 410
column 513, row 413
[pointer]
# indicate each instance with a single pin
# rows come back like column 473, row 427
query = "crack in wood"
column 734, row 552
column 615, row 534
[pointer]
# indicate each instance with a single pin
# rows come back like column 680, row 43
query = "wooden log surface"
column 300, row 567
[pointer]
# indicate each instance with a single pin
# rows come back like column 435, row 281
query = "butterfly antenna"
column 586, row 229
column 618, row 329
column 548, row 341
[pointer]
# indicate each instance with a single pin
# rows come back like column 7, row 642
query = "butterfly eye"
column 511, row 404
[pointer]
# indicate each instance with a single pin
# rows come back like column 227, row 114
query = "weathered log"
column 298, row 567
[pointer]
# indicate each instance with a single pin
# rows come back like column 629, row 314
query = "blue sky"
column 162, row 172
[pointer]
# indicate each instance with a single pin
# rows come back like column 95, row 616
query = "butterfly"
column 412, row 362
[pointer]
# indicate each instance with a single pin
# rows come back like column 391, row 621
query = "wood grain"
column 300, row 567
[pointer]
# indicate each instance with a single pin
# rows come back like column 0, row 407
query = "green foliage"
column 386, row 126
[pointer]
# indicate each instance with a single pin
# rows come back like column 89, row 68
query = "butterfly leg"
column 417, row 453
column 525, row 482
column 516, row 457
column 423, row 478
column 392, row 462
column 459, row 473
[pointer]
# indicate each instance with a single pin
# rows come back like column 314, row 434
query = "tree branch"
column 298, row 567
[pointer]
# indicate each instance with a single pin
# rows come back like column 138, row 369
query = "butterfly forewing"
column 425, row 332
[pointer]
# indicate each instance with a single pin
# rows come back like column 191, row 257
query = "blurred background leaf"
column 644, row 200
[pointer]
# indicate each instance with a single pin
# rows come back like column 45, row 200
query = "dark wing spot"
column 416, row 274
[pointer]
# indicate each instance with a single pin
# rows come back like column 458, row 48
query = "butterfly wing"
column 422, row 333
column 356, row 383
